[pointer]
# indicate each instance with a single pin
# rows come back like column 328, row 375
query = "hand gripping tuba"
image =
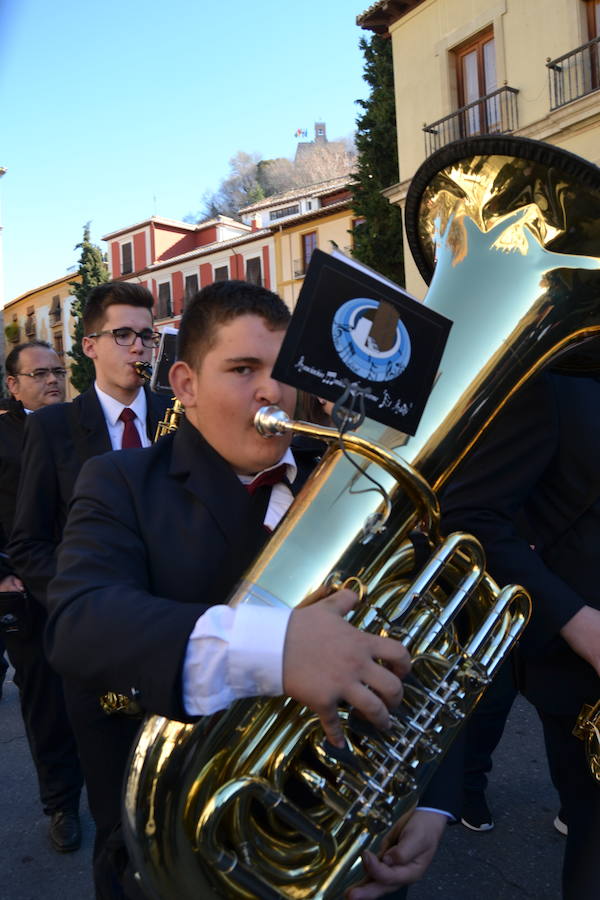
column 251, row 803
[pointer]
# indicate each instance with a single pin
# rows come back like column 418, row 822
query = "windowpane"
column 164, row 300
column 221, row 273
column 191, row 288
column 476, row 76
column 309, row 243
column 593, row 18
column 126, row 259
column 253, row 271
column 58, row 346
column 489, row 67
column 470, row 77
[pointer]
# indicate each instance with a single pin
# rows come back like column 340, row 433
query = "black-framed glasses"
column 125, row 337
column 42, row 374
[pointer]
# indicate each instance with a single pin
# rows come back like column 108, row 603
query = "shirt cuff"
column 441, row 812
column 256, row 650
column 233, row 653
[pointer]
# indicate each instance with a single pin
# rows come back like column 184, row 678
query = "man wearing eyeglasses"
column 36, row 379
column 117, row 411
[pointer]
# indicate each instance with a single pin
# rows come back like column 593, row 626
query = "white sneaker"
column 560, row 826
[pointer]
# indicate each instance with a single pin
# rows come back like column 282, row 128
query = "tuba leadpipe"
column 252, row 803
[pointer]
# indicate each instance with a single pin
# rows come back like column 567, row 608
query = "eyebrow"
column 243, row 359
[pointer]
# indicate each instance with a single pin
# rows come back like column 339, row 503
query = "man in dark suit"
column 36, row 379
column 58, row 440
column 155, row 542
column 531, row 493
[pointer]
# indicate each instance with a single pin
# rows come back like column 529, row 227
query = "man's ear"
column 11, row 384
column 88, row 345
column 183, row 380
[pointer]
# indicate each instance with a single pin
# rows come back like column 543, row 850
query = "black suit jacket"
column 58, row 440
column 535, row 480
column 12, row 425
column 153, row 538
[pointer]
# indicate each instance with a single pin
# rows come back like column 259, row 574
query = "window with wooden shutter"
column 476, row 77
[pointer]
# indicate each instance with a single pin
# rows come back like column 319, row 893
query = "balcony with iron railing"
column 494, row 113
column 30, row 327
column 574, row 74
column 299, row 268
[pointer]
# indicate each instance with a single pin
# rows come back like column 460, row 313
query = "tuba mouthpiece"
column 271, row 420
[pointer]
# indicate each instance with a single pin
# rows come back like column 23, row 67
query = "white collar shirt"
column 112, row 409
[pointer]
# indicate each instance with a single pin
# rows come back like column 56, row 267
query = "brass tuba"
column 252, row 803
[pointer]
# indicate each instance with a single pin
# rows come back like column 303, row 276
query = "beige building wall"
column 44, row 314
column 526, row 35
column 331, row 230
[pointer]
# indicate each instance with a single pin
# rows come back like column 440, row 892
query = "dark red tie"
column 270, row 477
column 131, row 437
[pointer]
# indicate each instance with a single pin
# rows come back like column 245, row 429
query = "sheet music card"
column 353, row 325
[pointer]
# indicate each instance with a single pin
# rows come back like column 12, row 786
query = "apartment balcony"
column 55, row 317
column 299, row 268
column 30, row 327
column 574, row 74
column 494, row 113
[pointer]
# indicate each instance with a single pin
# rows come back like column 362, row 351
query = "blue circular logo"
column 376, row 348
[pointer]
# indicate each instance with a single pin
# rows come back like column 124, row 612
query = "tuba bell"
column 252, row 802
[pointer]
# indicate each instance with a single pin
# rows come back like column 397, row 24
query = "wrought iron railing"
column 494, row 113
column 574, row 74
column 299, row 268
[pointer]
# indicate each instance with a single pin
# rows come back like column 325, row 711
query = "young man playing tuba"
column 156, row 539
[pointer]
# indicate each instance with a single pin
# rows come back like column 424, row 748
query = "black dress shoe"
column 3, row 671
column 65, row 830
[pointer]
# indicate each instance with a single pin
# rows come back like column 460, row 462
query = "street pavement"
column 520, row 858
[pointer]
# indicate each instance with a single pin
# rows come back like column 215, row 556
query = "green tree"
column 93, row 271
column 377, row 240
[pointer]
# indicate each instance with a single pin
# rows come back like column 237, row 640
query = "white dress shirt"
column 234, row 653
column 112, row 409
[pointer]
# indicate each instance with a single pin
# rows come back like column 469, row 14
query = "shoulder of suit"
column 11, row 429
column 158, row 402
column 55, row 413
column 136, row 460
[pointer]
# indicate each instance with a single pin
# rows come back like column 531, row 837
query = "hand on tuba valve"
column 349, row 671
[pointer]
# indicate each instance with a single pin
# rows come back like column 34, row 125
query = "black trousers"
column 47, row 726
column 580, row 801
column 104, row 744
column 485, row 726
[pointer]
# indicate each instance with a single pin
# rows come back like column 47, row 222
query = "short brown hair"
column 113, row 293
column 11, row 363
column 219, row 303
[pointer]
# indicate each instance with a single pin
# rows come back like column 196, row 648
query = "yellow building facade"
column 44, row 314
column 326, row 229
column 468, row 67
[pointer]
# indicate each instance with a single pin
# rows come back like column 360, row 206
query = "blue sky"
column 116, row 111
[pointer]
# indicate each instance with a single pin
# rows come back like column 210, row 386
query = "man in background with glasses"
column 116, row 411
column 36, row 379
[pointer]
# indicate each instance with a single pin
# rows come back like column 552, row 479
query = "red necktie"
column 270, row 477
column 131, row 437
